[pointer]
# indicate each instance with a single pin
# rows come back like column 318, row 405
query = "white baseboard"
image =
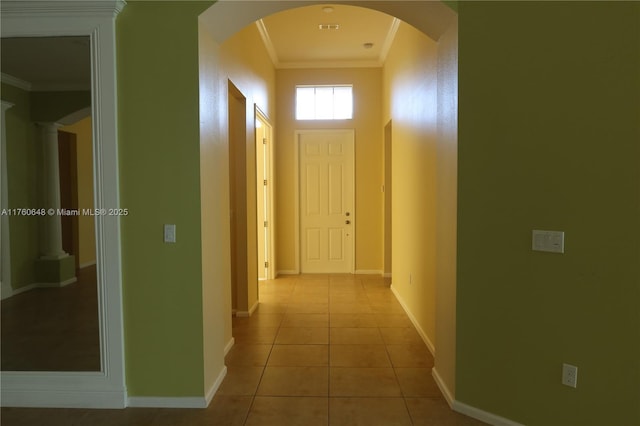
column 387, row 275
column 30, row 287
column 167, row 402
column 229, row 345
column 245, row 314
column 84, row 265
column 179, row 402
column 448, row 396
column 481, row 415
column 419, row 329
column 57, row 398
column 287, row 272
column 368, row 272
column 216, row 385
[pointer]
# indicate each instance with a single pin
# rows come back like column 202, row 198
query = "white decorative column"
column 5, row 255
column 55, row 267
column 51, row 244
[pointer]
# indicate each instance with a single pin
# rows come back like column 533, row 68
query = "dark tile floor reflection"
column 52, row 329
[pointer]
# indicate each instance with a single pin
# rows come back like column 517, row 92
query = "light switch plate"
column 550, row 241
column 169, row 233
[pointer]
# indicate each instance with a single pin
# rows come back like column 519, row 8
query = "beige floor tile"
column 352, row 320
column 393, row 320
column 291, row 411
column 359, row 356
column 351, row 297
column 401, row 336
column 417, row 382
column 299, row 356
column 259, row 320
column 435, row 411
column 271, row 307
column 355, row 336
column 308, row 308
column 346, row 381
column 306, row 320
column 410, row 356
column 227, row 410
column 306, row 299
column 248, row 355
column 368, row 412
column 386, row 308
column 294, row 381
column 241, row 381
column 254, row 335
column 303, row 336
column 350, row 308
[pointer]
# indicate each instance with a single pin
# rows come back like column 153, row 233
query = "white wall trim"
column 268, row 44
column 387, row 275
column 443, row 387
column 167, row 402
column 413, row 319
column 15, row 82
column 244, row 314
column 229, row 345
column 482, row 415
column 68, row 398
column 179, row 402
column 84, row 265
column 368, row 272
column 216, row 385
column 106, row 388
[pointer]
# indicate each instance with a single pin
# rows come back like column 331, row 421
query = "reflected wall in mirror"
column 49, row 308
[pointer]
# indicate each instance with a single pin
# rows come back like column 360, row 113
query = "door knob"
column 347, row 222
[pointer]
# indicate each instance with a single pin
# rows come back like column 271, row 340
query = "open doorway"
column 264, row 195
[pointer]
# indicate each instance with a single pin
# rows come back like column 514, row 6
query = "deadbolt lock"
column 347, row 222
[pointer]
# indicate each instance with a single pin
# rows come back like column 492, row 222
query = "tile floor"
column 320, row 350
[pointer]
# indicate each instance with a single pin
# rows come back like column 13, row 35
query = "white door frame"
column 270, row 258
column 104, row 388
column 296, row 181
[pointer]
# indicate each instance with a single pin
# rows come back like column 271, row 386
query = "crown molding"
column 16, row 82
column 330, row 64
column 388, row 41
column 65, row 8
column 268, row 44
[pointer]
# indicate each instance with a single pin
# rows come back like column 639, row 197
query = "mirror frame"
column 105, row 388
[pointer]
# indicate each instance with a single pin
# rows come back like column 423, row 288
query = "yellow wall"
column 367, row 123
column 410, row 92
column 247, row 64
column 86, row 224
column 447, row 206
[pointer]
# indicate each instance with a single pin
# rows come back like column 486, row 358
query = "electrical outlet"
column 570, row 375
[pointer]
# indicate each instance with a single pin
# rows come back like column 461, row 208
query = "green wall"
column 157, row 45
column 549, row 138
column 23, row 155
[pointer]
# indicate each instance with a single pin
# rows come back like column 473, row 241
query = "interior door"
column 326, row 190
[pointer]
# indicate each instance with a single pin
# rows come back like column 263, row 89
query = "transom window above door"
column 324, row 102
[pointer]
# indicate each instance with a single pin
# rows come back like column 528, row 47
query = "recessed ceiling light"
column 327, row 9
column 367, row 45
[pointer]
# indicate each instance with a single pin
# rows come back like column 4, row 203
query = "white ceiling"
column 294, row 40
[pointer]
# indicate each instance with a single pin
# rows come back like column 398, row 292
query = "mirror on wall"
column 49, row 308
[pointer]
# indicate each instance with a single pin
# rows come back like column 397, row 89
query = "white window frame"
column 331, row 113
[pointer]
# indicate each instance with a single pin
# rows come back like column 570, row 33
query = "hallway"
column 319, row 350
column 331, row 350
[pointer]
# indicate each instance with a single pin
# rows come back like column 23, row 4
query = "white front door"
column 326, row 187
